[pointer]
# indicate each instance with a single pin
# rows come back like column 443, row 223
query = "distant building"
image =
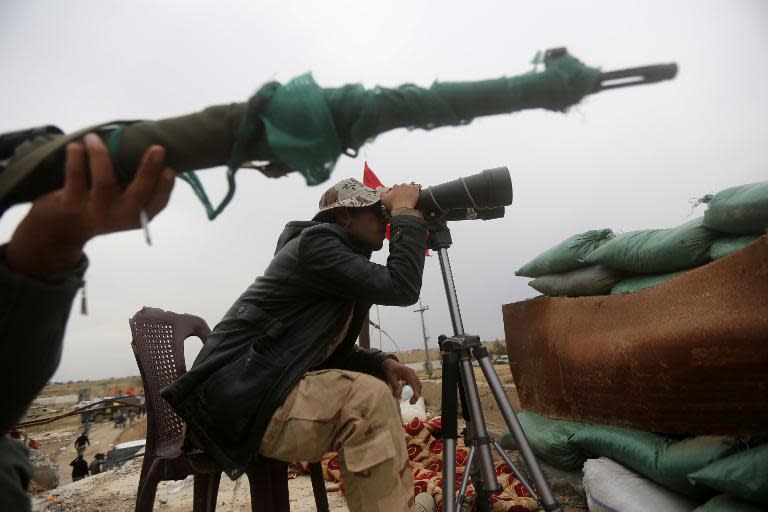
column 55, row 400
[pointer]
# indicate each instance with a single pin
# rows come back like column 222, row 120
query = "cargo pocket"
column 372, row 451
column 319, row 396
column 305, row 425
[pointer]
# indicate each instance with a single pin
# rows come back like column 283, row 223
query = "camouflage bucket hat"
column 349, row 193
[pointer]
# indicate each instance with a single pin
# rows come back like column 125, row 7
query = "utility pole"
column 427, row 363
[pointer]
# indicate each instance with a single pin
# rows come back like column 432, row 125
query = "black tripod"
column 457, row 352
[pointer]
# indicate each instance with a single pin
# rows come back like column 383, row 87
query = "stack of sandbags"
column 563, row 269
column 680, row 471
column 597, row 262
column 740, row 214
column 611, row 487
column 550, row 440
column 735, row 217
column 741, row 210
column 656, row 255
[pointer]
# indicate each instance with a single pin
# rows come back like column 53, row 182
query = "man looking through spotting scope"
column 281, row 374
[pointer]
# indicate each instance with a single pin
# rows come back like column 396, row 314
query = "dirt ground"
column 115, row 491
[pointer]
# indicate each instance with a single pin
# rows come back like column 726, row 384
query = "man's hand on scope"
column 405, row 195
column 395, row 372
column 50, row 239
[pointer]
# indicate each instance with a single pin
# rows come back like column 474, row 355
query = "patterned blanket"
column 425, row 452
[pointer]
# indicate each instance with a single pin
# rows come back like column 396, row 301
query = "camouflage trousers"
column 355, row 415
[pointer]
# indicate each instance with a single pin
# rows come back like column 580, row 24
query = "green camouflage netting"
column 308, row 127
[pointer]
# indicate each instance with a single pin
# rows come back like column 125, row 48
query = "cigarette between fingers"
column 144, row 221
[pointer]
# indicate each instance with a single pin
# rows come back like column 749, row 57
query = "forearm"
column 329, row 267
column 35, row 257
column 408, row 243
column 364, row 360
column 33, row 315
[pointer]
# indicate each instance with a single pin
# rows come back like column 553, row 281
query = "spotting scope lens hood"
column 487, row 190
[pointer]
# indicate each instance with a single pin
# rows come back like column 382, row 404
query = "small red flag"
column 370, row 179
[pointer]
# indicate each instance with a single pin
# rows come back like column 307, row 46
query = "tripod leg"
column 449, row 428
column 479, row 430
column 465, row 480
column 516, row 471
column 548, row 501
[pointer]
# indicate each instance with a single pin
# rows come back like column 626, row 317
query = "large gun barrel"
column 301, row 126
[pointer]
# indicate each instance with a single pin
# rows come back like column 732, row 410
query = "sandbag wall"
column 635, row 470
column 597, row 262
column 666, row 335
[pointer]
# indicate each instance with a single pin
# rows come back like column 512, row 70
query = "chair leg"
column 261, row 487
column 145, row 499
column 206, row 491
column 318, row 486
column 279, row 479
column 145, row 466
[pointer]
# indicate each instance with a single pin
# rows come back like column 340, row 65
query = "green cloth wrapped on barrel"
column 308, row 127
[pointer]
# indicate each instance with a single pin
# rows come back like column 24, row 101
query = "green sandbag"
column 548, row 439
column 725, row 503
column 657, row 251
column 739, row 210
column 724, row 246
column 567, row 255
column 582, row 282
column 665, row 461
column 633, row 284
column 743, row 475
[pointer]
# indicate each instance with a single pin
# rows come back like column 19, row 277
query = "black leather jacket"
column 280, row 326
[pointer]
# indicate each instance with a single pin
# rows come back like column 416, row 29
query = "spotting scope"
column 480, row 196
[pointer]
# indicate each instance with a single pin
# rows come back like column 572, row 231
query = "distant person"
column 79, row 468
column 120, row 421
column 97, row 465
column 81, row 442
column 41, row 269
column 85, row 420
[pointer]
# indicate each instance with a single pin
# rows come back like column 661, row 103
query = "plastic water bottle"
column 407, row 393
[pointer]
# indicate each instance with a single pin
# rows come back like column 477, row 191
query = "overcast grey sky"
column 626, row 159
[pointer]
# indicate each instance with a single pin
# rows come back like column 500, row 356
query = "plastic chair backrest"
column 158, row 344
